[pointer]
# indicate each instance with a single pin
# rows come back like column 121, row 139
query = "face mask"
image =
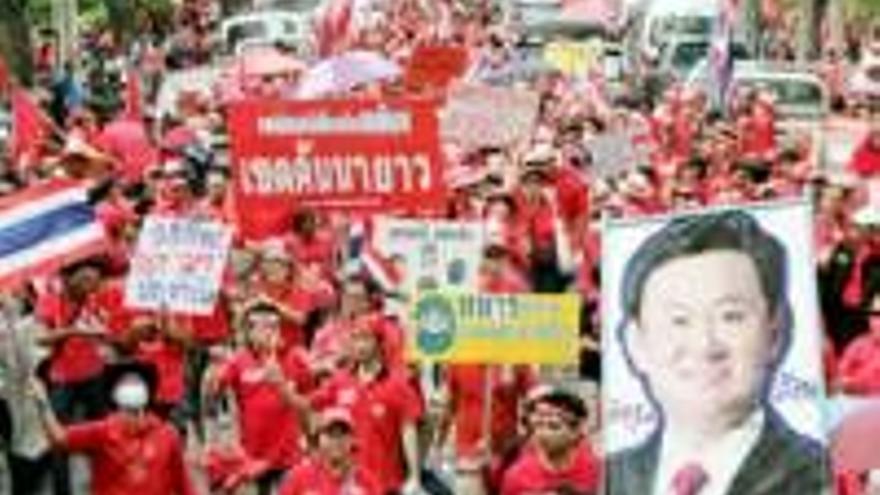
column 131, row 395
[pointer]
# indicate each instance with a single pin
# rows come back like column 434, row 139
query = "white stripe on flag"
column 34, row 207
column 47, row 250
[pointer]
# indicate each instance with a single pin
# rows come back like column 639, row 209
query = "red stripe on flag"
column 35, row 193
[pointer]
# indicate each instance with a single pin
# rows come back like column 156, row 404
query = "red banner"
column 353, row 156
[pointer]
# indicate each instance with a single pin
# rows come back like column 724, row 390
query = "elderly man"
column 707, row 322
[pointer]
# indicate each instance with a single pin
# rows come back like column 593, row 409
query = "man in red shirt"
column 332, row 469
column 385, row 408
column 859, row 368
column 557, row 458
column 76, row 318
column 267, row 385
column 131, row 450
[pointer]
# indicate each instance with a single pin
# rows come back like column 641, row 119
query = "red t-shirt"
column 320, row 250
column 294, row 300
column 270, row 428
column 168, row 359
column 529, row 475
column 859, row 368
column 467, row 384
column 314, row 477
column 380, row 410
column 126, row 460
column 76, row 359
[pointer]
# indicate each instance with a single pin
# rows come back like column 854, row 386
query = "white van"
column 665, row 20
column 266, row 28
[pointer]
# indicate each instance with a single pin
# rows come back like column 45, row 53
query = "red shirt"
column 77, row 359
column 313, row 477
column 319, row 249
column 865, row 160
column 126, row 460
column 467, row 384
column 529, row 475
column 270, row 428
column 168, row 359
column 380, row 409
column 859, row 368
column 294, row 300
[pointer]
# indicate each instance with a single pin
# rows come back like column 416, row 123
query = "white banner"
column 178, row 265
column 433, row 253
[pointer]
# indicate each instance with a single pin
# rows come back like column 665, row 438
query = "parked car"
column 293, row 29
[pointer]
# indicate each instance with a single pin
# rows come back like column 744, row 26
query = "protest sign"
column 619, row 151
column 711, row 319
column 435, row 66
column 353, row 156
column 434, row 253
column 574, row 58
column 178, row 265
column 482, row 116
column 455, row 327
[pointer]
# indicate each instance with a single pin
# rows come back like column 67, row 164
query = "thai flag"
column 44, row 228
column 721, row 56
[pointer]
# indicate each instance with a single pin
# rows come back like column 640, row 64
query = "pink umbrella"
column 261, row 62
column 851, row 445
column 605, row 13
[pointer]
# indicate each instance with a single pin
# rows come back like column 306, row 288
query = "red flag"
column 134, row 106
column 30, row 125
column 334, row 26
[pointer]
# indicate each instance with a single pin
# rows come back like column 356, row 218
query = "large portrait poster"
column 711, row 352
column 356, row 156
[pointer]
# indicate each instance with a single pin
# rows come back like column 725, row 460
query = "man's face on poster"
column 705, row 337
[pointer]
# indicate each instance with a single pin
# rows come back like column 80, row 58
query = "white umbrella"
column 345, row 72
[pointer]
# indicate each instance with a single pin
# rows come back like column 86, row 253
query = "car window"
column 687, row 55
column 873, row 73
column 245, row 31
column 290, row 27
column 790, row 93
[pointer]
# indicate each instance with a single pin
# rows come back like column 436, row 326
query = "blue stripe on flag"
column 31, row 232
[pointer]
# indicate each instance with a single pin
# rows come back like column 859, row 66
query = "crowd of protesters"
column 298, row 383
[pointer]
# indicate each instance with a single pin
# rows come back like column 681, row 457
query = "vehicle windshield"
column 687, row 55
column 686, row 25
column 296, row 5
column 245, row 31
column 793, row 97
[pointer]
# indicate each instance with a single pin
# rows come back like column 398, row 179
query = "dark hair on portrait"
column 729, row 230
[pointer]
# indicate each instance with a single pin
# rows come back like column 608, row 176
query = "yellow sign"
column 573, row 58
column 494, row 329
